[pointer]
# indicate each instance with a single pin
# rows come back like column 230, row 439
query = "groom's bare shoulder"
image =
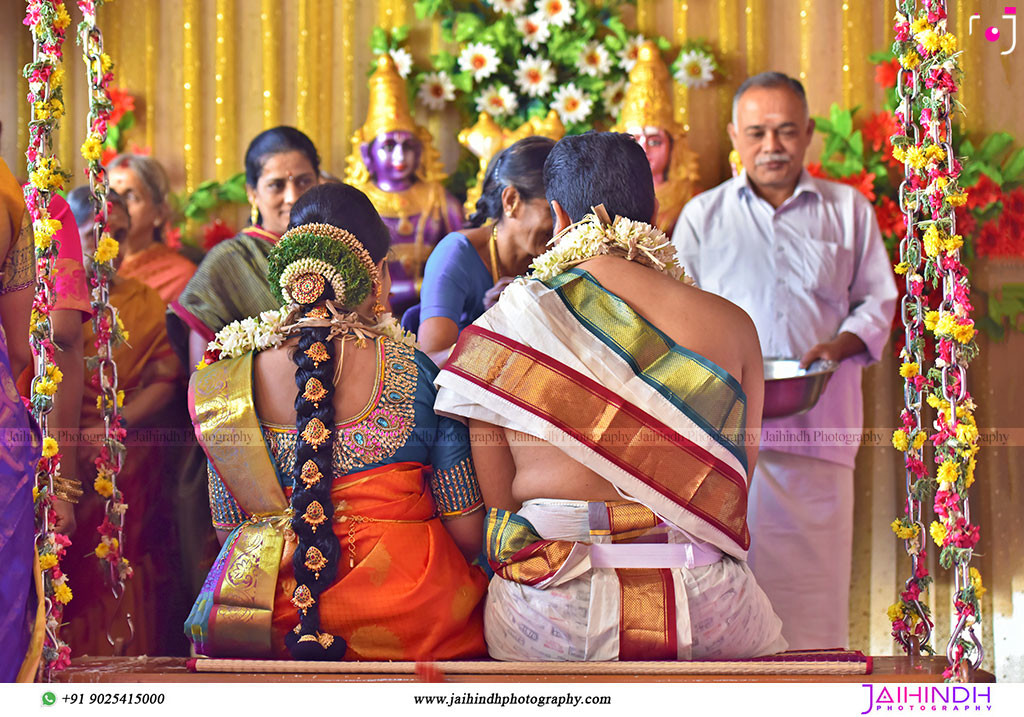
column 698, row 320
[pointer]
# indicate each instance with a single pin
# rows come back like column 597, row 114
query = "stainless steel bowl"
column 790, row 390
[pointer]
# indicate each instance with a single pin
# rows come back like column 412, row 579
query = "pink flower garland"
column 928, row 56
column 48, row 20
column 106, row 325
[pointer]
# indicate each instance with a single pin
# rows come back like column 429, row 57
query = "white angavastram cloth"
column 532, row 314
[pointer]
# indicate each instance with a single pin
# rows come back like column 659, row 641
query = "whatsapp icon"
column 49, row 698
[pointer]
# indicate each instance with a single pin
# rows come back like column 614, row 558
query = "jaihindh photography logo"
column 927, row 698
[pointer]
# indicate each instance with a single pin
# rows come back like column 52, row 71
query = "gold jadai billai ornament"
column 310, row 475
column 315, row 561
column 302, row 598
column 318, row 353
column 314, row 392
column 314, row 515
column 315, row 433
column 648, row 106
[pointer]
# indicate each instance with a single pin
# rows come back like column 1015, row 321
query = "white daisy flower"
column 571, row 103
column 594, row 60
column 403, row 61
column 557, row 12
column 437, row 89
column 534, row 75
column 535, row 29
column 509, row 7
column 694, row 69
column 627, row 58
column 613, row 95
column 497, row 100
column 480, row 59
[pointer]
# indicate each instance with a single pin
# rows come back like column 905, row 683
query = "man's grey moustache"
column 772, row 158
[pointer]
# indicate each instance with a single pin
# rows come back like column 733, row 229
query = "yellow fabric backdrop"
column 210, row 74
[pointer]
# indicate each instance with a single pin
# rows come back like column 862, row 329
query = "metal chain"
column 47, row 42
column 954, row 376
column 931, row 174
column 104, row 318
column 912, row 315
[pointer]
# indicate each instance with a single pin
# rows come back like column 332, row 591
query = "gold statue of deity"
column 647, row 114
column 394, row 162
column 486, row 138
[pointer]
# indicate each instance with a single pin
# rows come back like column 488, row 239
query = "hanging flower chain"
column 910, row 617
column 106, row 325
column 48, row 20
column 929, row 197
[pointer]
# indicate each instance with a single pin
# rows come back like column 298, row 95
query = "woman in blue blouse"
column 467, row 270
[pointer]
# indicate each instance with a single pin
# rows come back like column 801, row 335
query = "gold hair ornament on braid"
column 314, row 515
column 316, row 433
column 315, row 561
column 303, row 598
column 318, row 353
column 314, row 392
column 310, row 475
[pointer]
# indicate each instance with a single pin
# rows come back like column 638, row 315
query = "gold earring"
column 254, row 215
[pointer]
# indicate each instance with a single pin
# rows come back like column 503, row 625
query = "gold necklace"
column 493, row 244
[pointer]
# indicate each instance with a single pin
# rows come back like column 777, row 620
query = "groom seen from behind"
column 610, row 404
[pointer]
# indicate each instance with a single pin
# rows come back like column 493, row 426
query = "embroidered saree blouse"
column 398, row 425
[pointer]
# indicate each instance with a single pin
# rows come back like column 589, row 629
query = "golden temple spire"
column 388, row 109
column 648, row 100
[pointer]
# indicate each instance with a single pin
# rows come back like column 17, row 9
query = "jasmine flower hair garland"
column 596, row 234
column 271, row 328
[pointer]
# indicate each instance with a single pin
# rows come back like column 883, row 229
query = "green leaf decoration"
column 619, row 33
column 429, row 8
column 994, row 146
column 463, row 81
column 842, row 120
column 1007, row 305
column 113, row 137
column 466, row 26
column 1013, row 168
column 857, row 144
column 233, row 190
column 969, row 177
column 444, row 61
column 378, row 41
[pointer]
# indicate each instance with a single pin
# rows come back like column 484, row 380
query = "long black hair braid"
column 318, row 552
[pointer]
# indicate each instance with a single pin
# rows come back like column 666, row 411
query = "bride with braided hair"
column 347, row 508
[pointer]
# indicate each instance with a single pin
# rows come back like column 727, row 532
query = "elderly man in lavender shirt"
column 804, row 258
